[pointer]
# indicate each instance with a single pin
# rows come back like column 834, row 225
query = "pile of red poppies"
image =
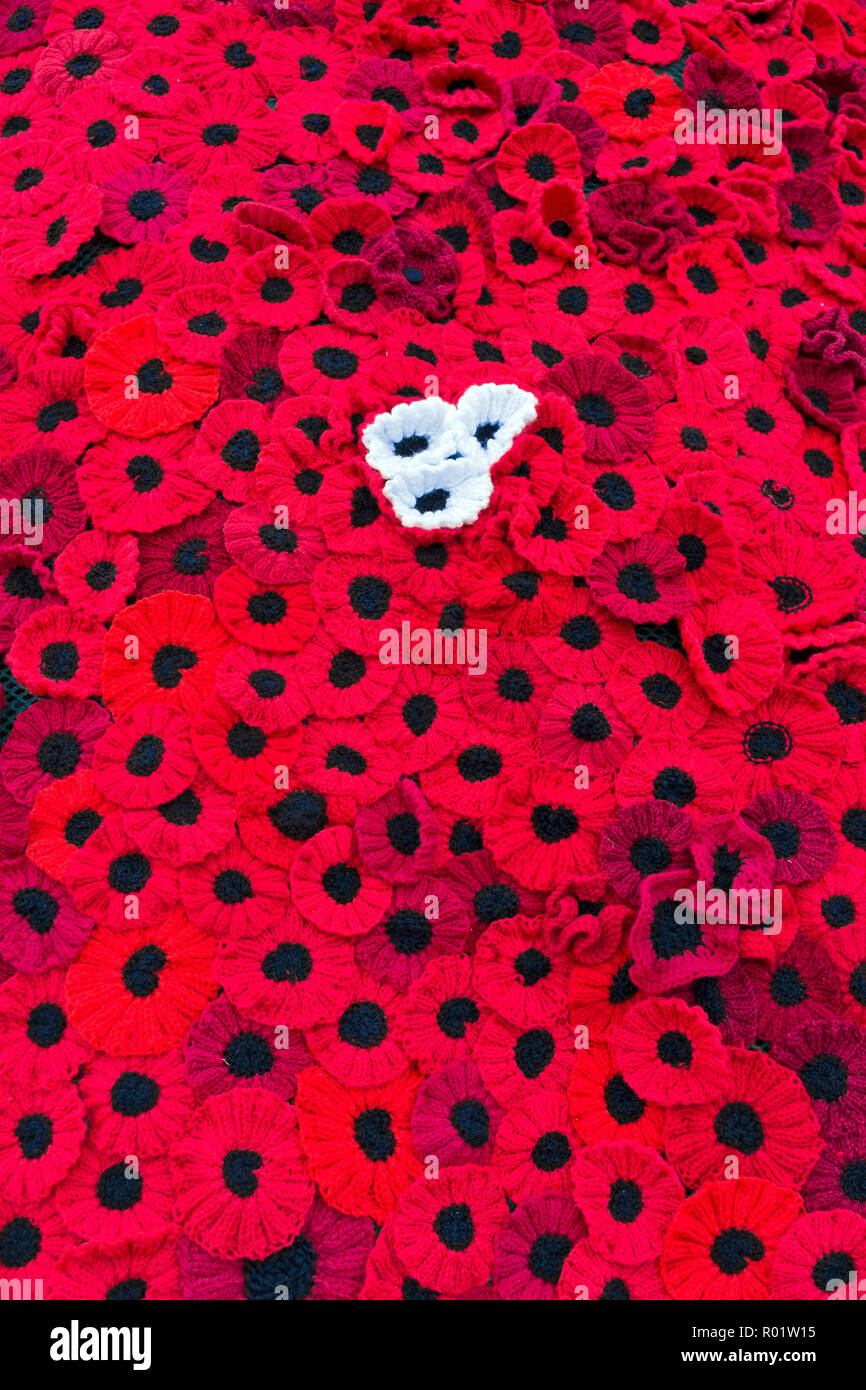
column 534, row 967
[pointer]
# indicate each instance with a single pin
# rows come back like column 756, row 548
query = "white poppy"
column 451, row 494
column 413, row 434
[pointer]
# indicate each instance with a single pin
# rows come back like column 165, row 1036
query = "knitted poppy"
column 358, row 1047
column 43, row 480
column 139, row 990
column 26, row 586
column 444, row 1232
column 206, row 252
column 587, row 1274
column 269, row 550
column 342, row 228
column 197, row 321
column 49, row 740
column 142, row 1268
column 532, row 1151
column 126, row 483
column 722, row 1240
column 32, row 1239
column 837, row 1178
column 331, row 888
column 613, row 407
column 145, row 758
column 686, row 438
column 231, row 889
column 96, row 572
column 669, row 1052
column 533, row 1245
column 513, row 689
column 518, row 970
column 186, row 557
column 798, row 985
column 106, row 1197
column 354, row 598
column 734, row 649
column 628, row 1195
column 657, row 694
column 111, row 880
column 397, row 835
column 586, row 645
column 819, row 1256
column 834, row 903
column 316, row 358
column 519, row 1063
column 286, row 971
column 641, row 840
column 224, row 1050
column 65, row 814
column 829, row 1057
column 263, row 690
column 342, row 758
column 228, row 446
column 798, row 832
column 545, row 821
column 142, row 204
column 241, row 757
column 218, row 128
column 342, row 681
column 356, row 1141
column 632, row 495
column 39, row 1045
column 668, row 951
column 241, row 1184
column 662, row 768
column 41, row 1134
column 136, row 385
column 136, row 1104
column 442, row 1014
column 177, row 647
column 454, row 1117
column 763, row 1119
column 418, row 929
column 57, row 652
column 786, row 740
column 580, row 726
column 602, row 1105
column 186, row 827
column 729, row 851
column 51, row 237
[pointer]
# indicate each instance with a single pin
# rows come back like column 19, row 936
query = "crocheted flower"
column 135, row 385
column 722, row 1241
column 242, row 1189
